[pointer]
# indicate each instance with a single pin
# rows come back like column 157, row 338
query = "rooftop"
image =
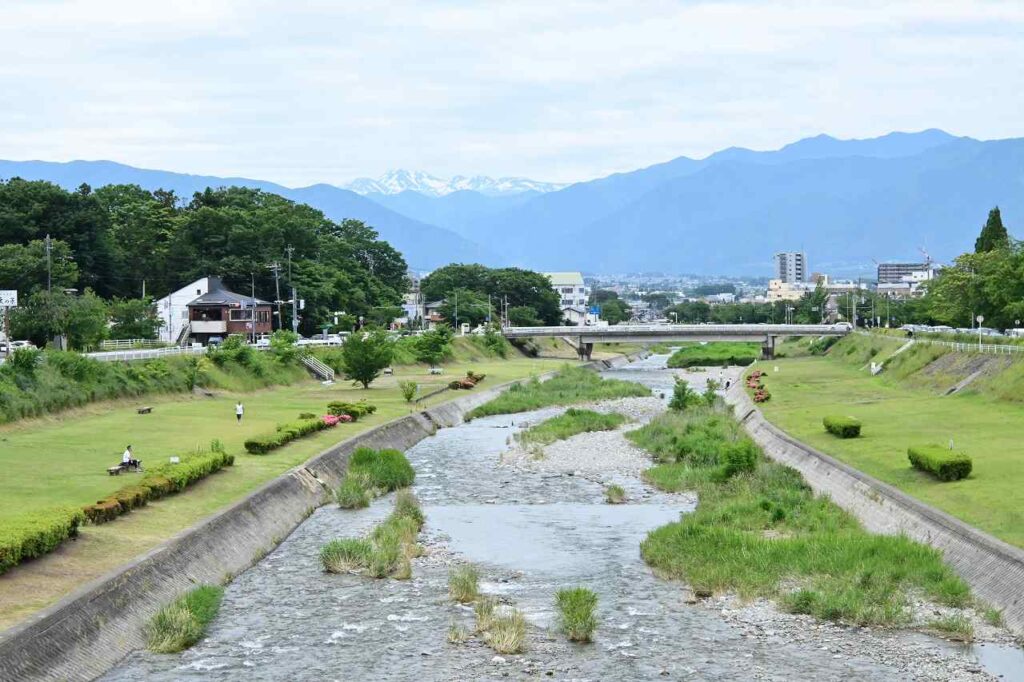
column 218, row 295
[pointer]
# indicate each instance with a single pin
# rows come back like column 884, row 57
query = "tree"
column 515, row 286
column 465, row 306
column 433, row 346
column 365, row 354
column 133, row 318
column 993, row 234
column 524, row 316
column 44, row 316
column 615, row 311
column 23, row 266
column 283, row 346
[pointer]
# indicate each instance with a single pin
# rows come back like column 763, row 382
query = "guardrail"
column 961, row 346
column 694, row 330
column 145, row 354
column 318, row 367
column 128, row 344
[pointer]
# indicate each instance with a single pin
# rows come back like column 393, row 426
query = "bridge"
column 586, row 337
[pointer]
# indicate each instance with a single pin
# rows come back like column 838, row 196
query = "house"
column 573, row 295
column 173, row 309
column 432, row 313
column 219, row 313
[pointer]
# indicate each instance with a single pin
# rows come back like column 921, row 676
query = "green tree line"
column 112, row 244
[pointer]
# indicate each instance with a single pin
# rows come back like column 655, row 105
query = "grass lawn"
column 896, row 416
column 62, row 460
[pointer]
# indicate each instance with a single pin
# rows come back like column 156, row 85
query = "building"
column 219, row 313
column 173, row 309
column 573, row 295
column 787, row 291
column 896, row 273
column 791, row 267
column 412, row 302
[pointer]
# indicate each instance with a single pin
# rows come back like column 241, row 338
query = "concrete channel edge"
column 89, row 631
column 994, row 569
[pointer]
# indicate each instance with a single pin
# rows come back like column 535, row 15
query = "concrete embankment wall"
column 993, row 568
column 87, row 632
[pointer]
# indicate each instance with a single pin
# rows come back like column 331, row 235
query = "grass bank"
column 183, row 622
column 760, row 531
column 61, row 460
column 574, row 421
column 570, row 385
column 902, row 407
column 714, row 354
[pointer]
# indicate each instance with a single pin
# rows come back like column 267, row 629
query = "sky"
column 303, row 92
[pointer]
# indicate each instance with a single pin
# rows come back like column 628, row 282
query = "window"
column 566, row 290
column 240, row 315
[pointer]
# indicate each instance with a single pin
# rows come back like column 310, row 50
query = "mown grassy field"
column 902, row 407
column 62, row 460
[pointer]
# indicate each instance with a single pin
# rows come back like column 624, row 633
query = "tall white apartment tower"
column 791, row 267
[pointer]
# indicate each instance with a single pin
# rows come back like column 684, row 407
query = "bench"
column 114, row 471
column 436, row 370
column 144, row 410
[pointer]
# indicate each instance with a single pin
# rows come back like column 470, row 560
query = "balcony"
column 209, row 326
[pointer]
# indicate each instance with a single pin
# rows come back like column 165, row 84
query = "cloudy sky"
column 305, row 91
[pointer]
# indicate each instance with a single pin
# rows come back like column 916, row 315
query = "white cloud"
column 560, row 91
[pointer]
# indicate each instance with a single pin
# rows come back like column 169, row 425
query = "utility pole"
column 291, row 283
column 276, row 267
column 143, row 289
column 252, row 316
column 456, row 312
column 49, row 266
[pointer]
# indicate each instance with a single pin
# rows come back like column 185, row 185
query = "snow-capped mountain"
column 396, row 181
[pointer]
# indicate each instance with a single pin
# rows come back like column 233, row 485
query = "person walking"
column 239, row 411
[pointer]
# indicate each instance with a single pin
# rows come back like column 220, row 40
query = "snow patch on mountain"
column 396, row 181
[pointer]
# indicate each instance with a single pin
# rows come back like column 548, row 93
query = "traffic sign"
column 8, row 298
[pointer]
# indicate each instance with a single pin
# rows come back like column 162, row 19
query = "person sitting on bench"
column 128, row 460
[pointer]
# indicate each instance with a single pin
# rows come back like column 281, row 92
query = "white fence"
column 145, row 354
column 128, row 344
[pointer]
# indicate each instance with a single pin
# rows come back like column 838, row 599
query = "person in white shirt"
column 239, row 411
column 128, row 459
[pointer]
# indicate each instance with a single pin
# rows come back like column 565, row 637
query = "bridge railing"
column 626, row 330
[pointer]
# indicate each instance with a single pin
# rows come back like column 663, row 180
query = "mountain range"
column 397, row 181
column 845, row 203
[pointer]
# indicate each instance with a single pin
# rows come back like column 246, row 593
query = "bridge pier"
column 768, row 348
column 584, row 350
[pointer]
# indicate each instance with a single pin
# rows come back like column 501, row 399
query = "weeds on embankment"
column 572, row 422
column 760, row 532
column 576, row 613
column 183, row 622
column 570, row 385
column 387, row 550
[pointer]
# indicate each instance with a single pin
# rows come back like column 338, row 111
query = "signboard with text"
column 8, row 298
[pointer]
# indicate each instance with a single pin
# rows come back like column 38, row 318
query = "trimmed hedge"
column 843, row 427
column 160, row 481
column 284, row 434
column 943, row 463
column 354, row 410
column 33, row 535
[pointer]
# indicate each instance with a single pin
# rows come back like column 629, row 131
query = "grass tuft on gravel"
column 573, row 422
column 388, row 548
column 576, row 613
column 614, row 494
column 755, row 532
column 568, row 386
column 183, row 622
column 464, row 583
column 507, row 633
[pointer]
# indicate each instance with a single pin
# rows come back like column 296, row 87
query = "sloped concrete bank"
column 87, row 632
column 993, row 568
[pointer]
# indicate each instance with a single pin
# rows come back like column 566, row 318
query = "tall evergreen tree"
column 993, row 235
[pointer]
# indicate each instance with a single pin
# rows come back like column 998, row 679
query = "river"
column 530, row 532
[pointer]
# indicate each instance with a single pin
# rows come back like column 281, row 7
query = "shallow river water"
column 530, row 533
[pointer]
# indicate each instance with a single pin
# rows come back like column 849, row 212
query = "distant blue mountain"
column 424, row 246
column 845, row 202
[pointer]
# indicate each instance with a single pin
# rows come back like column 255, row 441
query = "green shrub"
column 944, row 464
column 32, row 535
column 307, row 415
column 740, row 457
column 102, row 511
column 352, row 494
column 283, row 434
column 355, row 410
column 576, row 613
column 383, row 470
column 843, row 427
column 183, row 622
column 683, row 396
column 408, row 389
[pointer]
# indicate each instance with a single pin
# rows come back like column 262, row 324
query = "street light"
column 980, row 318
